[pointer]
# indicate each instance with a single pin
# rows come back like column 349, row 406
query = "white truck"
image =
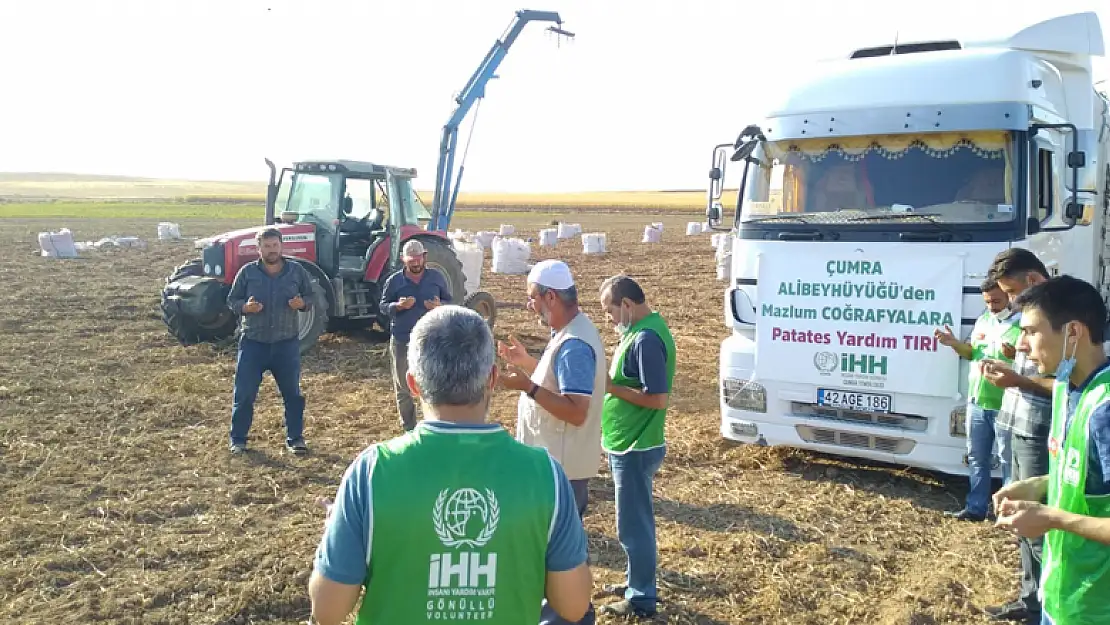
column 872, row 201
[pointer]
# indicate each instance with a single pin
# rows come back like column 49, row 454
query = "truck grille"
column 885, row 444
column 898, row 421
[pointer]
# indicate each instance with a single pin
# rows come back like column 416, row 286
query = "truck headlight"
column 957, row 422
column 744, row 395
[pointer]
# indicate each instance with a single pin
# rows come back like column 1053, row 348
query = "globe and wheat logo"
column 465, row 517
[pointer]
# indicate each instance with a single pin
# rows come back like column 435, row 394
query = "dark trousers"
column 399, row 354
column 547, row 614
column 283, row 360
column 1030, row 460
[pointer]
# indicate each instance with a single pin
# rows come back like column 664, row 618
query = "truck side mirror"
column 1073, row 211
column 1033, row 226
column 713, row 213
column 1077, row 160
column 348, row 205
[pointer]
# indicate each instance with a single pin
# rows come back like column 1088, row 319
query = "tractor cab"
column 352, row 205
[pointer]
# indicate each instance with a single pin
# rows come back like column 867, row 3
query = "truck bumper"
column 773, row 413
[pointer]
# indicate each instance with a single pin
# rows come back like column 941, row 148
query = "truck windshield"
column 946, row 177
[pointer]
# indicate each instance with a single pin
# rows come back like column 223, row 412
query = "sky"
column 205, row 89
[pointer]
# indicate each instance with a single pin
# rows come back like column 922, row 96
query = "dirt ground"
column 121, row 504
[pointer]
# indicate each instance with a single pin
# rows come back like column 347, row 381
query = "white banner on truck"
column 859, row 322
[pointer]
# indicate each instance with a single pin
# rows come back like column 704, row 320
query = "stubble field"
column 122, row 505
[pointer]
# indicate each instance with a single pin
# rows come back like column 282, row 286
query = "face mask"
column 1064, row 369
column 623, row 324
column 1001, row 315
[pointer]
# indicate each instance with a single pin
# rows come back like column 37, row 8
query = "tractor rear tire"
column 443, row 259
column 483, row 303
column 314, row 321
column 189, row 330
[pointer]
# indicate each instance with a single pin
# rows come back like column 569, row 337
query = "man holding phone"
column 994, row 335
column 407, row 296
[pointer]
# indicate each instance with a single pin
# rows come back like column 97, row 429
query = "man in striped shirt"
column 1027, row 412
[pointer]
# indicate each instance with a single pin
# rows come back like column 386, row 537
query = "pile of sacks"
column 593, row 243
column 60, row 244
column 510, row 256
column 566, row 231
column 723, row 255
column 472, row 257
column 168, row 231
column 548, row 237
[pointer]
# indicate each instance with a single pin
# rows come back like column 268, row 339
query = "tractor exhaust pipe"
column 271, row 193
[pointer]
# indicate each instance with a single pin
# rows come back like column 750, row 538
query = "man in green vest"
column 632, row 433
column 1063, row 329
column 992, row 338
column 454, row 521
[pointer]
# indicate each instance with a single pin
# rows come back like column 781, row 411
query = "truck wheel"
column 482, row 303
column 314, row 321
column 191, row 330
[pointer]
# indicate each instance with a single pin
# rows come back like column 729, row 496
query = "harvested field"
column 122, row 505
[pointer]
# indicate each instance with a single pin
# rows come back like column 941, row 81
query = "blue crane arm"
column 443, row 202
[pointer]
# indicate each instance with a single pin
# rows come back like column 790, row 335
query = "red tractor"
column 345, row 222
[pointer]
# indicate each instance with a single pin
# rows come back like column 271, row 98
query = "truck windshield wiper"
column 786, row 217
column 929, row 217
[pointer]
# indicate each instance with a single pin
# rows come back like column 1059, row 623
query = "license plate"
column 851, row 400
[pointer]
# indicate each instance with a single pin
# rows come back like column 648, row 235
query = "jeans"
column 633, row 472
column 981, row 436
column 283, row 360
column 548, row 616
column 399, row 353
column 1030, row 460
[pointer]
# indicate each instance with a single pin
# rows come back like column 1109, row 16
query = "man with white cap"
column 562, row 392
column 408, row 294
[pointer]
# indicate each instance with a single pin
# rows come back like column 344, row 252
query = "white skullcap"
column 552, row 274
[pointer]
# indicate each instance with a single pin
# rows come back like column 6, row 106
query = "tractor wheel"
column 314, row 321
column 193, row 267
column 482, row 303
column 190, row 330
column 442, row 258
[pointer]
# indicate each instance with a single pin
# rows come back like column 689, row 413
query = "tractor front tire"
column 190, row 330
column 483, row 303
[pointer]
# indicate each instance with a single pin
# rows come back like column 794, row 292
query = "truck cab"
column 871, row 202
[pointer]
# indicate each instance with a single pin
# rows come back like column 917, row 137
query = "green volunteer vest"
column 625, row 425
column 459, row 529
column 987, row 395
column 1075, row 575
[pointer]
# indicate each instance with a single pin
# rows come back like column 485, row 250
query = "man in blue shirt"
column 383, row 531
column 407, row 296
column 267, row 295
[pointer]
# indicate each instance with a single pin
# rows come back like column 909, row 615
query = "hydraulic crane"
column 443, row 203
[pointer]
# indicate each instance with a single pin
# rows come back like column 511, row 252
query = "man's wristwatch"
column 535, row 389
